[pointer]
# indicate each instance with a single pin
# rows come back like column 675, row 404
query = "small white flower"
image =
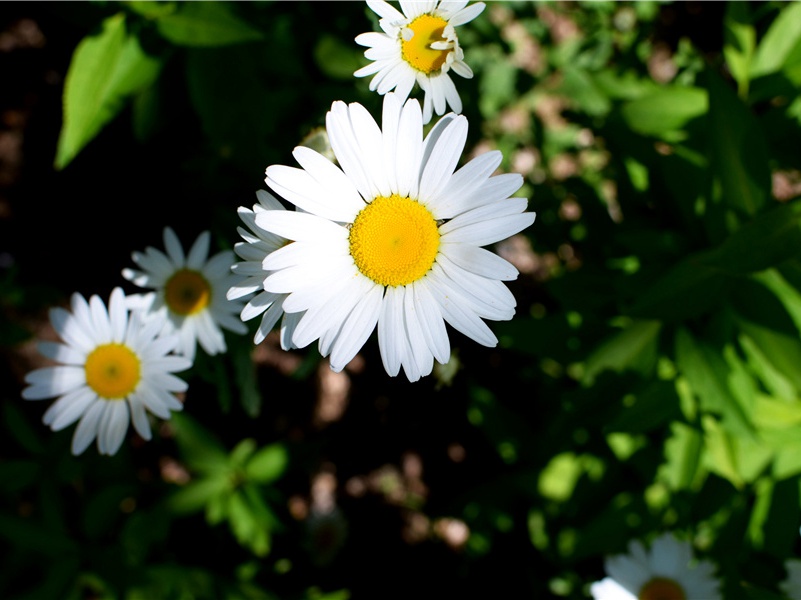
column 393, row 238
column 667, row 571
column 258, row 244
column 791, row 586
column 113, row 368
column 419, row 45
column 189, row 294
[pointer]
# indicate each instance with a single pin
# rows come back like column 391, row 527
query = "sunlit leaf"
column 105, row 71
column 267, row 464
column 633, row 348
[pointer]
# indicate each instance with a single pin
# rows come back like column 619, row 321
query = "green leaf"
column 782, row 351
column 737, row 148
column 20, row 429
column 104, row 72
column 205, row 24
column 781, row 42
column 708, row 374
column 682, row 467
column 737, row 459
column 198, row 493
column 633, row 348
column 199, row 448
column 337, row 59
column 268, row 464
column 740, row 41
column 242, row 451
column 666, row 110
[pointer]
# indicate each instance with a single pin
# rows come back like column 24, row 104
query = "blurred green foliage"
column 651, row 379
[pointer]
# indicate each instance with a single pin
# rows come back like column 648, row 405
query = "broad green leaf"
column 783, row 290
column 740, row 42
column 781, row 42
column 781, row 350
column 771, row 413
column 198, row 493
column 737, row 147
column 735, row 458
column 580, row 87
column 682, row 468
column 665, row 110
column 708, row 376
column 788, row 457
column 267, row 464
column 205, row 24
column 336, row 58
column 633, row 348
column 105, row 71
column 242, row 452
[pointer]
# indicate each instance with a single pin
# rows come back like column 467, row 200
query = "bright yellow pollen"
column 417, row 51
column 187, row 292
column 394, row 240
column 661, row 589
column 112, row 370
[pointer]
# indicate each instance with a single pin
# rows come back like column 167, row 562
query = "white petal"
column 199, row 251
column 479, row 261
column 385, row 10
column 173, row 247
column 300, row 226
column 88, row 427
column 458, row 317
column 466, row 14
column 443, row 158
column 357, row 327
column 431, row 320
column 118, row 313
column 100, row 320
column 489, row 231
column 113, row 426
column 48, row 382
column 69, row 408
column 391, row 337
column 70, row 331
column 61, row 353
column 337, row 203
column 139, row 417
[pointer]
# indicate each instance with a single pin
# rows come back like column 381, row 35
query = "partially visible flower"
column 113, row 368
column 393, row 239
column 419, row 45
column 189, row 295
column 258, row 244
column 668, row 571
column 791, row 586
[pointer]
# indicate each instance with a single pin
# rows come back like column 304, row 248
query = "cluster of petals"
column 316, row 273
column 392, row 72
column 203, row 327
column 83, row 329
column 668, row 562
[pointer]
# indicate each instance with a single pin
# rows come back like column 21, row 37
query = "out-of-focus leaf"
column 781, row 44
column 246, row 380
column 196, row 494
column 18, row 474
column 682, row 468
column 199, row 448
column 738, row 149
column 337, row 59
column 707, row 374
column 206, row 24
column 738, row 459
column 105, row 71
column 267, row 464
column 739, row 43
column 497, row 87
column 579, row 86
column 633, row 348
column 784, row 291
column 665, row 110
column 651, row 407
column 781, row 350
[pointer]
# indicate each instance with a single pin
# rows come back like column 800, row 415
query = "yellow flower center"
column 661, row 589
column 394, row 240
column 112, row 370
column 187, row 292
column 417, row 51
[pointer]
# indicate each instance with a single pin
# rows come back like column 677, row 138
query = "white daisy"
column 667, row 572
column 419, row 45
column 393, row 238
column 791, row 586
column 190, row 292
column 113, row 368
column 257, row 245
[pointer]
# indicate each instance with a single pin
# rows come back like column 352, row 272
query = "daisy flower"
column 393, row 238
column 667, row 572
column 419, row 45
column 113, row 368
column 190, row 292
column 791, row 586
column 257, row 245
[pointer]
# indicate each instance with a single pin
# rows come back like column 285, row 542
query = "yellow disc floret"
column 112, row 371
column 394, row 240
column 417, row 51
column 660, row 588
column 187, row 292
